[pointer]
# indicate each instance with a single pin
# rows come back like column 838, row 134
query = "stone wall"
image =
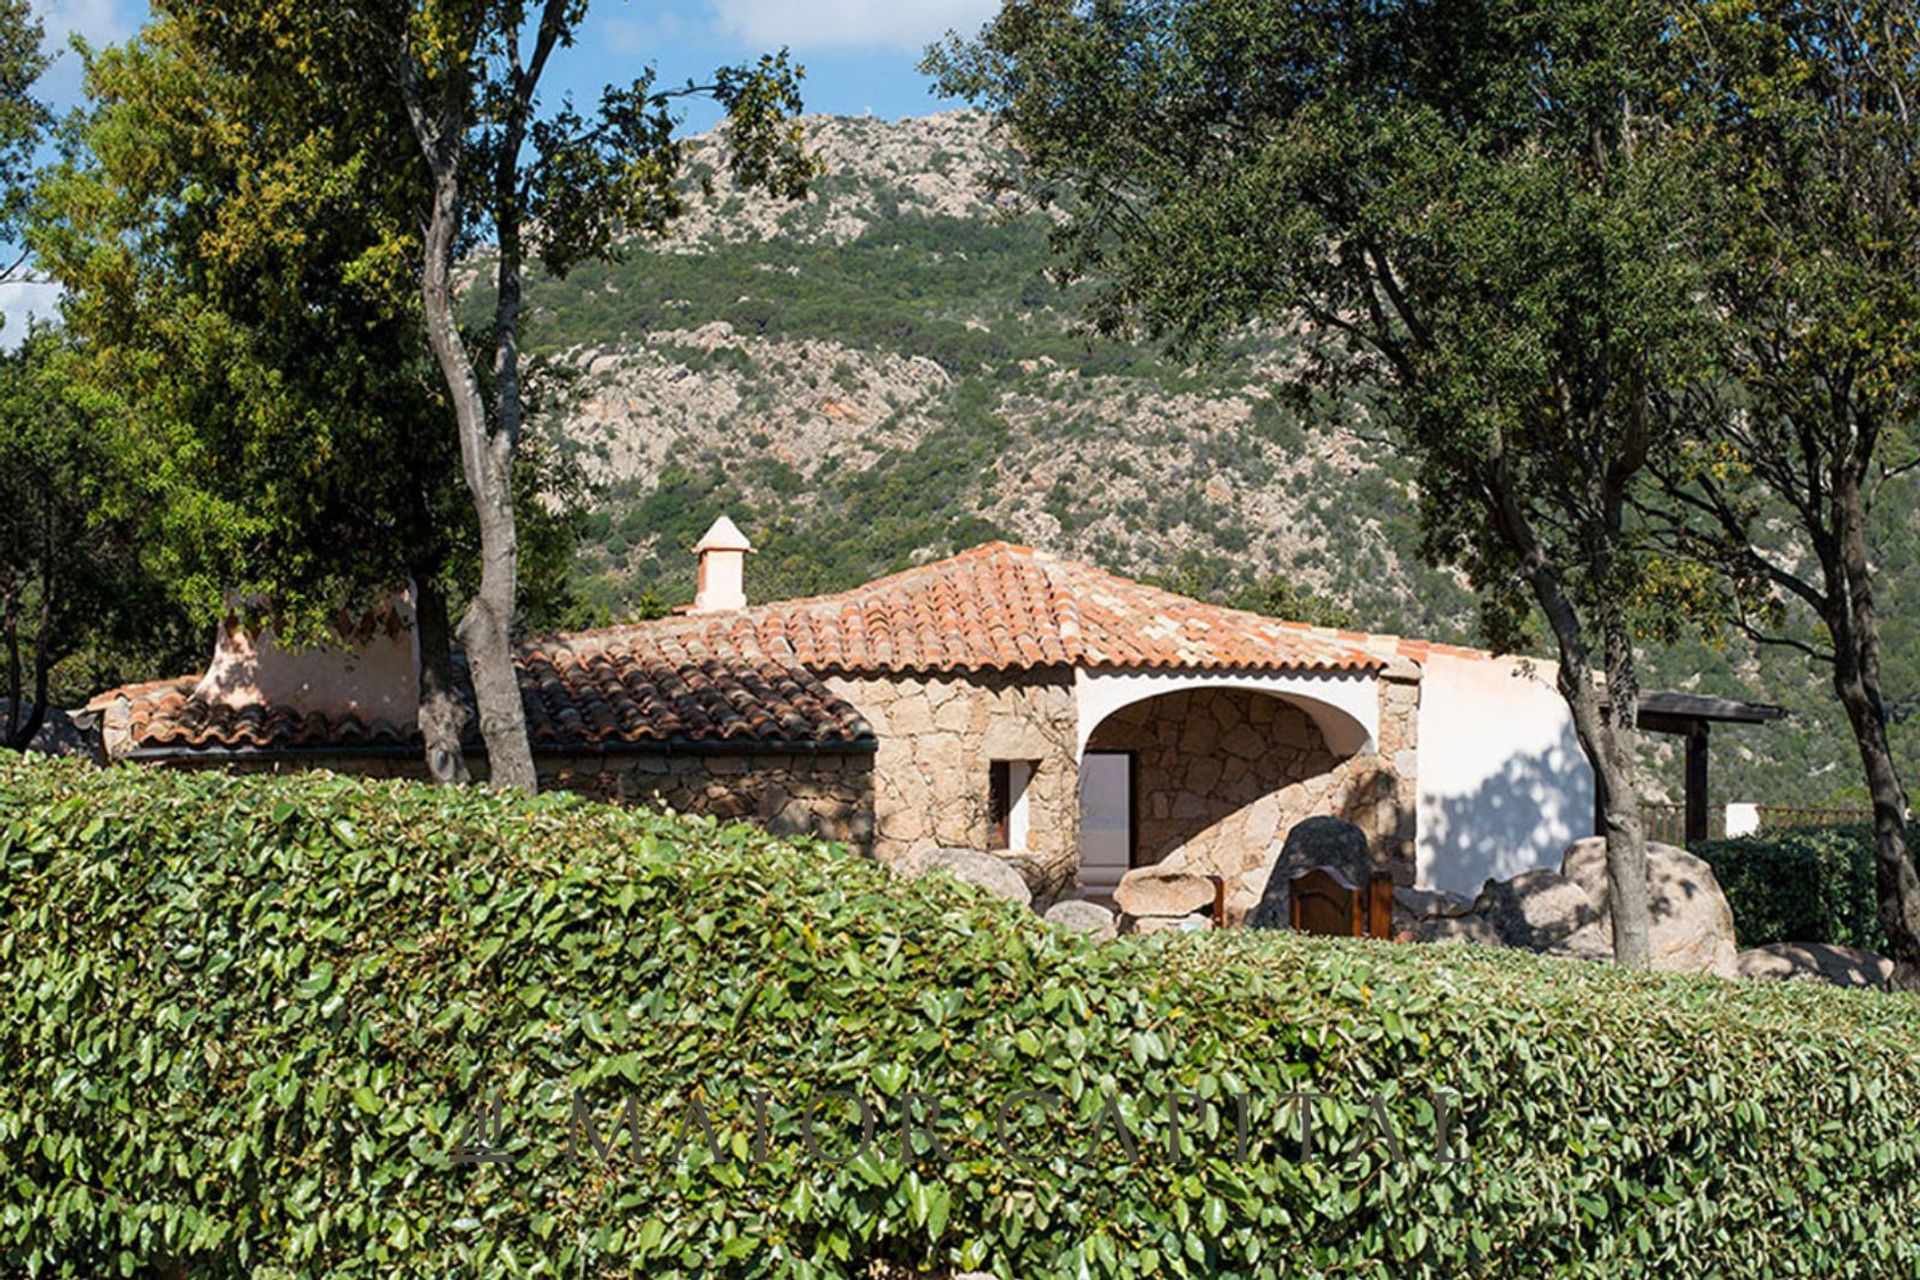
column 1222, row 775
column 825, row 794
column 939, row 735
column 1395, row 826
column 828, row 794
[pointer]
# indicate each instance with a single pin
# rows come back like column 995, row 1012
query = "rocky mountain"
column 886, row 373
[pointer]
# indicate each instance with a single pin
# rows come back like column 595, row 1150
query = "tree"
column 237, row 250
column 23, row 117
column 73, row 588
column 1470, row 204
column 67, row 582
column 1803, row 115
column 562, row 188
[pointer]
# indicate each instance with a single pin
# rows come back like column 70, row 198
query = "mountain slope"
column 885, row 373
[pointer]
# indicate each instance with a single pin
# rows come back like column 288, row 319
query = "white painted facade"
column 376, row 676
column 1503, row 786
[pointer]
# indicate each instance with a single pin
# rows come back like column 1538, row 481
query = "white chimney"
column 723, row 568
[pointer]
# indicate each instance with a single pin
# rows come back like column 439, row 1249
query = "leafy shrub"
column 246, row 1020
column 1815, row 884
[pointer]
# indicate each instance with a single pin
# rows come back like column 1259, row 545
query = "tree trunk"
column 1609, row 735
column 486, row 629
column 1611, row 746
column 1854, row 625
column 443, row 716
column 11, row 626
column 1895, row 878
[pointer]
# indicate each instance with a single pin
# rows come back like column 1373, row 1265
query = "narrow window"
column 1008, row 819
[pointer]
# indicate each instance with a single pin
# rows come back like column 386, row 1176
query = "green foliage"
column 252, row 348
column 248, row 1019
column 1474, row 214
column 229, row 264
column 23, row 117
column 1810, row 885
column 78, row 604
column 1214, row 578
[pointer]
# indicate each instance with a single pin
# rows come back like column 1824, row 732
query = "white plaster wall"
column 1346, row 705
column 377, row 678
column 1503, row 785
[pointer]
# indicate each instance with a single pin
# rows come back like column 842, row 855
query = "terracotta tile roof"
column 751, row 675
column 1004, row 607
column 599, row 696
column 1000, row 607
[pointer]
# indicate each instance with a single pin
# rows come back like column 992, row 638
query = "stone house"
column 1075, row 722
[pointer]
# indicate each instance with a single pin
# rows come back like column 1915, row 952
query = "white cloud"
column 20, row 300
column 900, row 24
column 99, row 22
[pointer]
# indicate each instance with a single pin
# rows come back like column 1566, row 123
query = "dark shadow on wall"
column 1518, row 819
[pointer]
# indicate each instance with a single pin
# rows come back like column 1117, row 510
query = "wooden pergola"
column 1689, row 715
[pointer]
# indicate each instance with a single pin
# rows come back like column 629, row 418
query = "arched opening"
column 1214, row 775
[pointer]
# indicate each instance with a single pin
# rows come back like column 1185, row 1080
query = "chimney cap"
column 723, row 535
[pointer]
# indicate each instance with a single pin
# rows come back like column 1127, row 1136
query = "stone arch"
column 1222, row 770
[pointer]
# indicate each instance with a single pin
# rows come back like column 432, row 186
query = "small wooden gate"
column 1325, row 902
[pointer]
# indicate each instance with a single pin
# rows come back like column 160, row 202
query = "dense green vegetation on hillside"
column 259, row 1026
column 973, row 296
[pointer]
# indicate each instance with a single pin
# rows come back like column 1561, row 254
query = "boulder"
column 1457, row 929
column 1588, row 942
column 1536, row 910
column 1316, row 842
column 1692, row 924
column 1164, row 889
column 59, row 734
column 1167, row 924
column 1816, row 962
column 981, row 870
column 1084, row 916
column 1424, row 904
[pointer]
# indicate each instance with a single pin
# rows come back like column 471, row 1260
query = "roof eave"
column 863, row 745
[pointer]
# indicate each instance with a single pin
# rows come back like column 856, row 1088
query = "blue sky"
column 860, row 56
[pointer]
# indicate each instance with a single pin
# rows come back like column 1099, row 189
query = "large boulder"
column 981, row 870
column 59, row 735
column 1083, row 916
column 1164, row 889
column 1468, row 928
column 1412, row 908
column 1692, row 924
column 1816, row 962
column 1168, row 924
column 1315, row 842
column 1588, row 942
column 1427, row 904
column 1537, row 910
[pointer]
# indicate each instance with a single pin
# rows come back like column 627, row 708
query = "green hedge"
column 245, row 1018
column 1809, row 885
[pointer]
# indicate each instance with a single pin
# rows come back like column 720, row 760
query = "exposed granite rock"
column 1816, row 962
column 1084, row 916
column 1163, row 890
column 1536, row 910
column 1692, row 923
column 981, row 870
